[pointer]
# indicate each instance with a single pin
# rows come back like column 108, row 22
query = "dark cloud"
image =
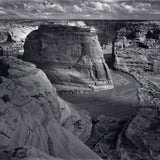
column 106, row 9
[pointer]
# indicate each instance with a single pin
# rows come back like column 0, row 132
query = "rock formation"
column 12, row 38
column 138, row 138
column 70, row 56
column 27, row 153
column 32, row 114
column 137, row 48
column 36, row 123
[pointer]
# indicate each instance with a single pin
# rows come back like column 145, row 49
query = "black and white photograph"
column 79, row 79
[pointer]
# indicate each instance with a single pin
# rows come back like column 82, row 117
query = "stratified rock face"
column 141, row 61
column 70, row 56
column 137, row 53
column 32, row 114
column 12, row 37
column 137, row 48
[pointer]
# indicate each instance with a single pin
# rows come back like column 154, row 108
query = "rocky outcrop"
column 135, row 139
column 141, row 62
column 26, row 153
column 137, row 47
column 32, row 114
column 12, row 38
column 70, row 56
column 138, row 138
column 104, row 137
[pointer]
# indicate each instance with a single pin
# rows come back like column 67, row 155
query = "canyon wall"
column 12, row 38
column 70, row 56
column 41, row 124
column 137, row 47
column 32, row 114
column 137, row 52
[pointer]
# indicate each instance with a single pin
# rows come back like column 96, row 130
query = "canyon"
column 118, row 116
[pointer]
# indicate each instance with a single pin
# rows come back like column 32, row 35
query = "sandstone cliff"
column 136, row 51
column 32, row 114
column 70, row 56
column 12, row 37
column 137, row 47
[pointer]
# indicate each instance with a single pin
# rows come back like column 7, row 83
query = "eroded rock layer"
column 136, row 53
column 12, row 37
column 32, row 114
column 70, row 56
column 137, row 47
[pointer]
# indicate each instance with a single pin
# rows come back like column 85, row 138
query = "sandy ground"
column 119, row 102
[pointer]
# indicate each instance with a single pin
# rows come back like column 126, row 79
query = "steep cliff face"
column 137, row 47
column 32, row 114
column 137, row 53
column 138, row 138
column 70, row 56
column 12, row 37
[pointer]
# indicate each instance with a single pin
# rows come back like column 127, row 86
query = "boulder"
column 70, row 56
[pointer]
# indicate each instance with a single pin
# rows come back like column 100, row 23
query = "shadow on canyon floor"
column 119, row 102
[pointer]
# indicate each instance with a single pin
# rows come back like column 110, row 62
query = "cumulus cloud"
column 2, row 12
column 101, row 6
column 109, row 9
column 137, row 7
column 77, row 9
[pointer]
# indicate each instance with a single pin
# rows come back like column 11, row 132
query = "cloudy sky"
column 80, row 9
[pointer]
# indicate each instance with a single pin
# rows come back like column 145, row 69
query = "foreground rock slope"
column 70, row 56
column 32, row 114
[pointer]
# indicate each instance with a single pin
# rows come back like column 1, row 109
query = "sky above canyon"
column 80, row 9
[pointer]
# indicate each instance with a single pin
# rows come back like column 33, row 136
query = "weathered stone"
column 70, row 56
column 27, row 153
column 12, row 37
column 31, row 113
column 143, row 132
column 104, row 137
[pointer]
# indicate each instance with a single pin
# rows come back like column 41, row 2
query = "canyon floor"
column 120, row 102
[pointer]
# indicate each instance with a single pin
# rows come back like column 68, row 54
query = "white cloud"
column 77, row 9
column 54, row 6
column 127, row 7
column 81, row 8
column 3, row 12
column 101, row 6
column 136, row 7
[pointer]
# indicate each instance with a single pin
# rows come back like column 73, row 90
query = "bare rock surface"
column 12, row 38
column 32, row 114
column 104, row 136
column 137, row 47
column 137, row 53
column 70, row 56
column 26, row 153
column 136, row 139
